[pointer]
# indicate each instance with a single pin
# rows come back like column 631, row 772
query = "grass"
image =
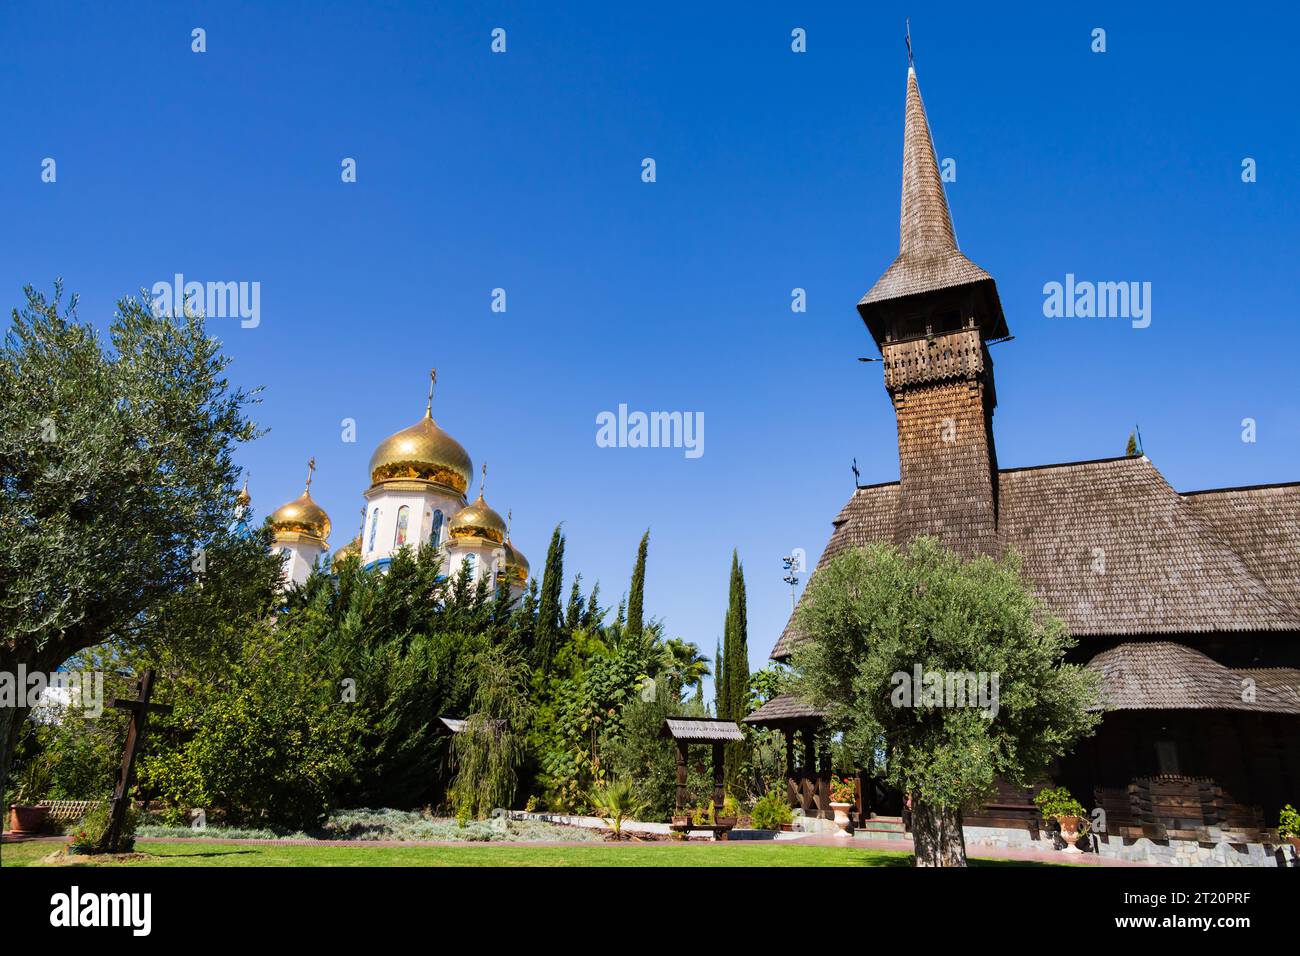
column 215, row 853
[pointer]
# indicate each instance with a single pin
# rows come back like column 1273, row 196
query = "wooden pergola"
column 684, row 731
column 808, row 787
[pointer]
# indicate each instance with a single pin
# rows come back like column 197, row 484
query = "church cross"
column 433, row 380
column 908, row 39
column 140, row 710
column 311, row 468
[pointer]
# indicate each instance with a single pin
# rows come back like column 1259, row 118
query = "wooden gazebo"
column 684, row 731
column 808, row 787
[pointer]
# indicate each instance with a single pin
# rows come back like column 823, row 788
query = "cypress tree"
column 549, row 609
column 733, row 677
column 573, row 614
column 636, row 601
column 719, row 680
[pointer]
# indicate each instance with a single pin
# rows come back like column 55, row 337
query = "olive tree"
column 952, row 668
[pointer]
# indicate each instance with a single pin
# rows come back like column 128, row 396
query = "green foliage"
column 771, row 812
column 118, row 476
column 1131, row 449
column 636, row 596
column 268, row 743
column 733, row 690
column 616, row 802
column 33, row 781
column 90, row 835
column 1056, row 802
column 489, row 751
column 550, row 622
column 877, row 612
column 1288, row 825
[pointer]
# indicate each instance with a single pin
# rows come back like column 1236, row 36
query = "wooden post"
column 824, row 784
column 140, row 710
column 809, row 781
column 791, row 785
column 718, row 792
column 681, row 774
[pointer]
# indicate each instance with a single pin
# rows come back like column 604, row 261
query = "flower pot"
column 725, row 821
column 27, row 819
column 681, row 820
column 841, row 811
column 1070, row 833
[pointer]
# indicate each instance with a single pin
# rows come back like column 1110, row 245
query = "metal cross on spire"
column 433, row 380
column 908, row 39
column 482, row 482
column 311, row 468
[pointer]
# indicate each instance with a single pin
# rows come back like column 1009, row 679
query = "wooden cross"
column 140, row 710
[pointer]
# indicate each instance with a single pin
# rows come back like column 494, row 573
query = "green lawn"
column 215, row 853
column 650, row 854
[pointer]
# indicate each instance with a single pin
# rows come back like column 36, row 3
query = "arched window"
column 403, row 518
column 435, row 538
column 472, row 558
column 374, row 528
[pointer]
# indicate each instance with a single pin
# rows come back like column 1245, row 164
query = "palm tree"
column 617, row 802
column 683, row 661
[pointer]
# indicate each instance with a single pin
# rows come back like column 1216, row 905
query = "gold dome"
column 478, row 521
column 423, row 452
column 350, row 550
column 301, row 516
column 516, row 564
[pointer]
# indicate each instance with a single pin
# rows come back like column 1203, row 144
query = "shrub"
column 771, row 811
column 1289, row 822
column 1057, row 802
column 91, row 834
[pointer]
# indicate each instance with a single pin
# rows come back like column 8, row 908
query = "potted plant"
column 730, row 812
column 842, row 795
column 771, row 812
column 1057, row 803
column 31, row 783
column 1288, row 827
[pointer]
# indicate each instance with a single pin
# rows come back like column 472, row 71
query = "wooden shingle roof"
column 1162, row 675
column 785, row 710
column 928, row 257
column 1112, row 549
column 701, row 730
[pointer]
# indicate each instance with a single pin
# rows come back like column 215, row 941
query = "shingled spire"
column 928, row 257
column 932, row 314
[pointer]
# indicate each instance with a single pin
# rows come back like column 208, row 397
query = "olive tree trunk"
column 936, row 832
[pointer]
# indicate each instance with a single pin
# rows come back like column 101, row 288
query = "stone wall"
column 1142, row 850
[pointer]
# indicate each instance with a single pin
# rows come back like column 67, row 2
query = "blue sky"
column 775, row 170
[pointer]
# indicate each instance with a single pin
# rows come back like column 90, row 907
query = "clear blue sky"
column 775, row 170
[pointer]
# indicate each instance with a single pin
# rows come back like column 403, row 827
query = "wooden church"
column 1187, row 603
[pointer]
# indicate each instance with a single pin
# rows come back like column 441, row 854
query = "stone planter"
column 1070, row 833
column 27, row 820
column 841, row 811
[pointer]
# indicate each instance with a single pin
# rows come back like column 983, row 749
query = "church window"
column 436, row 538
column 374, row 528
column 473, row 563
column 403, row 519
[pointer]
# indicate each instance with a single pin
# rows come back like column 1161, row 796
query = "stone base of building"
column 1144, row 850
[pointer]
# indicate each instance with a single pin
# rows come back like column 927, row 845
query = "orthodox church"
column 1187, row 604
column 419, row 478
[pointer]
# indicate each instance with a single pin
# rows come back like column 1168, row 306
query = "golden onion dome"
column 301, row 516
column 423, row 452
column 478, row 520
column 515, row 563
column 350, row 550
column 243, row 499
